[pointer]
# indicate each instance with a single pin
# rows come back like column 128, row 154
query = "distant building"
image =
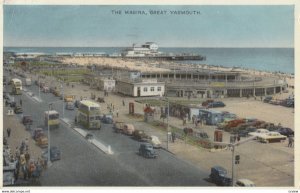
column 106, row 84
column 149, row 48
column 140, row 88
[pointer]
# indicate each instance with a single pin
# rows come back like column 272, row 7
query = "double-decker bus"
column 88, row 115
column 53, row 120
column 16, row 85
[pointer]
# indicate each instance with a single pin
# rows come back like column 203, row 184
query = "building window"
column 159, row 88
column 145, row 89
column 152, row 89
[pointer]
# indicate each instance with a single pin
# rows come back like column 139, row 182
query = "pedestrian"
column 20, row 102
column 238, row 138
column 113, row 107
column 123, row 103
column 17, row 153
column 8, row 130
column 261, row 98
column 173, row 137
column 31, row 169
column 291, row 140
column 193, row 119
column 117, row 112
column 27, row 157
column 26, row 144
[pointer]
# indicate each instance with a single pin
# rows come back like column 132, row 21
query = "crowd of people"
column 20, row 160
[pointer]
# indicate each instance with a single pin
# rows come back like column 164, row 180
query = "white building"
column 140, row 88
column 107, row 84
column 149, row 48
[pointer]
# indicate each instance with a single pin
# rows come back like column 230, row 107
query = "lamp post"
column 168, row 122
column 39, row 87
column 49, row 158
column 63, row 98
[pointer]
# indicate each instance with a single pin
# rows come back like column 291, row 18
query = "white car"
column 154, row 140
column 263, row 135
column 244, row 183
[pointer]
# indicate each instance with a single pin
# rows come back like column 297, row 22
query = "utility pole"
column 63, row 98
column 168, row 124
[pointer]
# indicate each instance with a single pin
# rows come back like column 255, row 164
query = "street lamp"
column 168, row 122
column 63, row 98
column 49, row 159
column 39, row 87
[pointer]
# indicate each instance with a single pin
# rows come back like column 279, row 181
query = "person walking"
column 123, row 103
column 27, row 157
column 173, row 137
column 20, row 102
column 290, row 141
column 117, row 112
column 8, row 130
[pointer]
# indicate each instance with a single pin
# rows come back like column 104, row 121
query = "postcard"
column 149, row 95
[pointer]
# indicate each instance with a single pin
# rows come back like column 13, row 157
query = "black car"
column 244, row 133
column 285, row 131
column 18, row 110
column 216, row 104
column 12, row 104
column 146, row 150
column 218, row 176
column 268, row 99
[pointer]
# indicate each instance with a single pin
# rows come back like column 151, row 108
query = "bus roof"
column 89, row 103
column 15, row 80
column 51, row 112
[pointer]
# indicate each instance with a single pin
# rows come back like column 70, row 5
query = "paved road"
column 82, row 164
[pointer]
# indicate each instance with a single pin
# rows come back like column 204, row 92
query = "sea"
column 264, row 59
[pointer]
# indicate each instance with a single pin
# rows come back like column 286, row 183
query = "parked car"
column 140, row 135
column 121, row 127
column 218, row 175
column 267, row 99
column 266, row 136
column 205, row 103
column 245, row 133
column 285, row 131
column 27, row 120
column 146, row 150
column 18, row 109
column 55, row 154
column 70, row 106
column 216, row 104
column 12, row 104
column 244, row 183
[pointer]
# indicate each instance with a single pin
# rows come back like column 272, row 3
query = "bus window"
column 92, row 118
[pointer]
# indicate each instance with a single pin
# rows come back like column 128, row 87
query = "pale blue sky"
column 96, row 26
